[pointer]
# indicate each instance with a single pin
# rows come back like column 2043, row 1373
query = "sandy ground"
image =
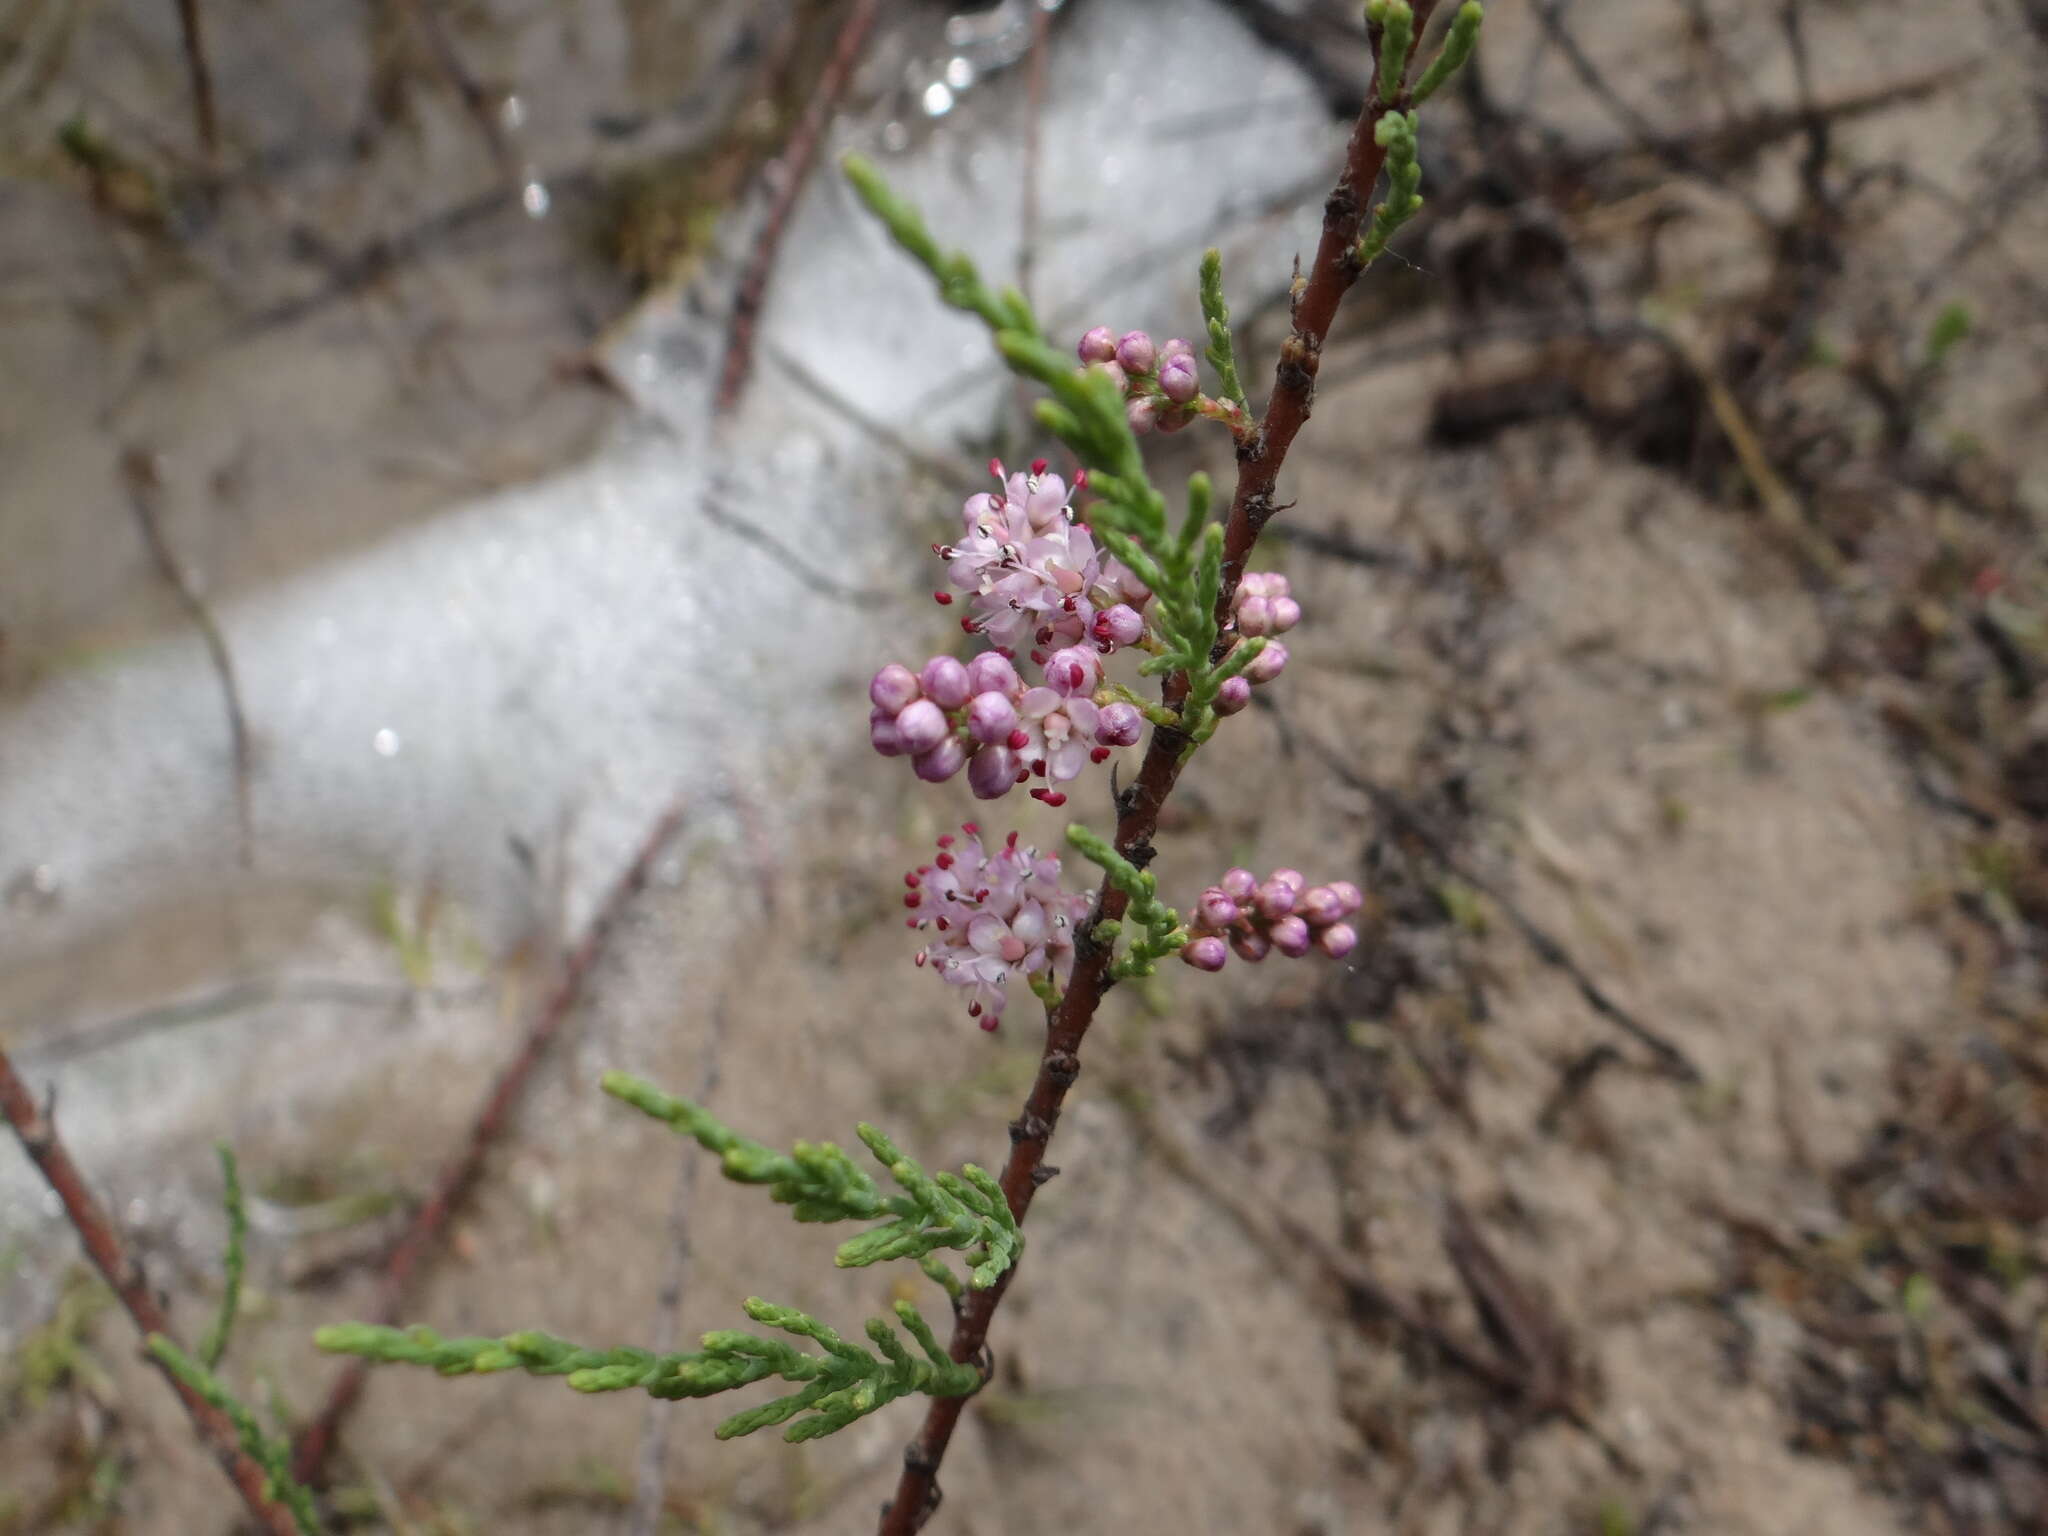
column 1569, row 704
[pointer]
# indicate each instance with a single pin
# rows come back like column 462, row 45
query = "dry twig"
column 795, row 168
column 138, row 469
column 37, row 1133
column 317, row 1441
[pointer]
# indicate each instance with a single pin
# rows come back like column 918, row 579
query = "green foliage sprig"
column 1396, row 21
column 1396, row 133
column 215, row 1344
column 272, row 1455
column 835, row 1388
column 1221, row 352
column 821, row 1183
column 1155, row 928
column 1458, row 44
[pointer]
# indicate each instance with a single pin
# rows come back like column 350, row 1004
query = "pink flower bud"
column 1293, row 879
column 1134, row 350
column 1274, row 899
column 1119, row 724
column 1268, row 664
column 1349, row 896
column 1291, row 937
column 1250, row 945
column 1142, row 414
column 1215, row 909
column 893, row 688
column 1320, row 905
column 1134, row 591
column 882, row 734
column 1172, row 418
column 992, row 772
column 1180, row 346
column 1238, row 884
column 1178, row 380
column 1097, row 345
column 1207, row 953
column 1121, row 625
column 1073, row 670
column 991, row 717
column 922, row 726
column 1117, row 376
column 1338, row 940
column 1233, row 695
column 991, row 672
column 942, row 762
column 1254, row 614
column 1286, row 614
column 944, row 681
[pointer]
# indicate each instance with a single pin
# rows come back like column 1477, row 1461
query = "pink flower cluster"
column 1162, row 387
column 1283, row 912
column 1036, row 582
column 991, row 914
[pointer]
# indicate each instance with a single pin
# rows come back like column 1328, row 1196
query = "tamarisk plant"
column 1054, row 579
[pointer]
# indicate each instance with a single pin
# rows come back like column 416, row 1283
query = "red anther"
column 974, row 1010
column 1019, row 740
column 1040, row 793
column 945, row 839
column 1023, row 775
column 1039, row 657
column 990, row 1023
column 912, row 899
column 972, row 829
column 911, row 881
column 1011, row 841
column 1105, row 646
column 1007, row 652
column 995, row 467
column 942, row 924
column 1080, row 479
column 1055, row 798
column 982, row 894
column 943, row 599
column 944, row 861
column 1098, row 754
column 1043, row 637
column 918, row 959
column 910, row 922
column 1068, row 604
column 1038, row 466
column 966, row 625
column 1038, row 765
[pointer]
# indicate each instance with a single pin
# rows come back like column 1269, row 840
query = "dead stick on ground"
column 317, row 1441
column 201, row 76
column 38, row 1135
column 796, row 165
column 138, row 468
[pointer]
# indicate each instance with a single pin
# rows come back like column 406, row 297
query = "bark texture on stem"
column 38, row 1136
column 1259, row 459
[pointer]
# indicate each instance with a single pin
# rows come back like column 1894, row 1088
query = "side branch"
column 38, row 1136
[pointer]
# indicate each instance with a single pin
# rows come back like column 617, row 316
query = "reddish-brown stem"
column 316, row 1441
column 1259, row 458
column 38, row 1136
